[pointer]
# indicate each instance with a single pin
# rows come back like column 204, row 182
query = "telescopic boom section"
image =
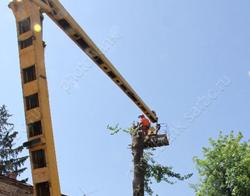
column 55, row 10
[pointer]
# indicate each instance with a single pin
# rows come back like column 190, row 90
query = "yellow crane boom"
column 55, row 10
column 29, row 19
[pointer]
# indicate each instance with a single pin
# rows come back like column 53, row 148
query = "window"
column 38, row 159
column 42, row 189
column 32, row 101
column 24, row 26
column 26, row 43
column 29, row 74
column 35, row 129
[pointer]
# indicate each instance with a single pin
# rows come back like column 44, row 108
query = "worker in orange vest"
column 144, row 124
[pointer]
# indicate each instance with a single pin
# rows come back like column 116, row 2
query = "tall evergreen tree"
column 10, row 161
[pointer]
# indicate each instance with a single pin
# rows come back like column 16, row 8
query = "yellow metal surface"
column 66, row 22
column 34, row 55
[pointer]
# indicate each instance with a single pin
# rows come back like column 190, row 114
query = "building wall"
column 11, row 187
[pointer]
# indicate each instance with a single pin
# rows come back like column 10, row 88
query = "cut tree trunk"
column 139, row 167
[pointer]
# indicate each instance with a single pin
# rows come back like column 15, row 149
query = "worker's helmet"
column 141, row 116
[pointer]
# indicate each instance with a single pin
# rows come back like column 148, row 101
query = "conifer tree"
column 11, row 164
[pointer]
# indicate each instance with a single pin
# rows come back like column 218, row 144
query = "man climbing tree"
column 11, row 164
column 225, row 168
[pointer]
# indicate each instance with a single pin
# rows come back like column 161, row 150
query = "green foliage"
column 154, row 172
column 10, row 162
column 116, row 129
column 225, row 169
column 159, row 173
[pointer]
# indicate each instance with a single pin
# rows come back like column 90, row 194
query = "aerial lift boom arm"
column 55, row 10
column 28, row 14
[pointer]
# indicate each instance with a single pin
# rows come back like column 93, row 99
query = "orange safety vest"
column 145, row 122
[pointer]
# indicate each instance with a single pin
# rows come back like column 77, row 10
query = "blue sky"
column 189, row 61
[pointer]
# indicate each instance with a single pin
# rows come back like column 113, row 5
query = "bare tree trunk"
column 139, row 168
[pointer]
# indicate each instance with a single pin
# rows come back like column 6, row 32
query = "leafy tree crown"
column 225, row 168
